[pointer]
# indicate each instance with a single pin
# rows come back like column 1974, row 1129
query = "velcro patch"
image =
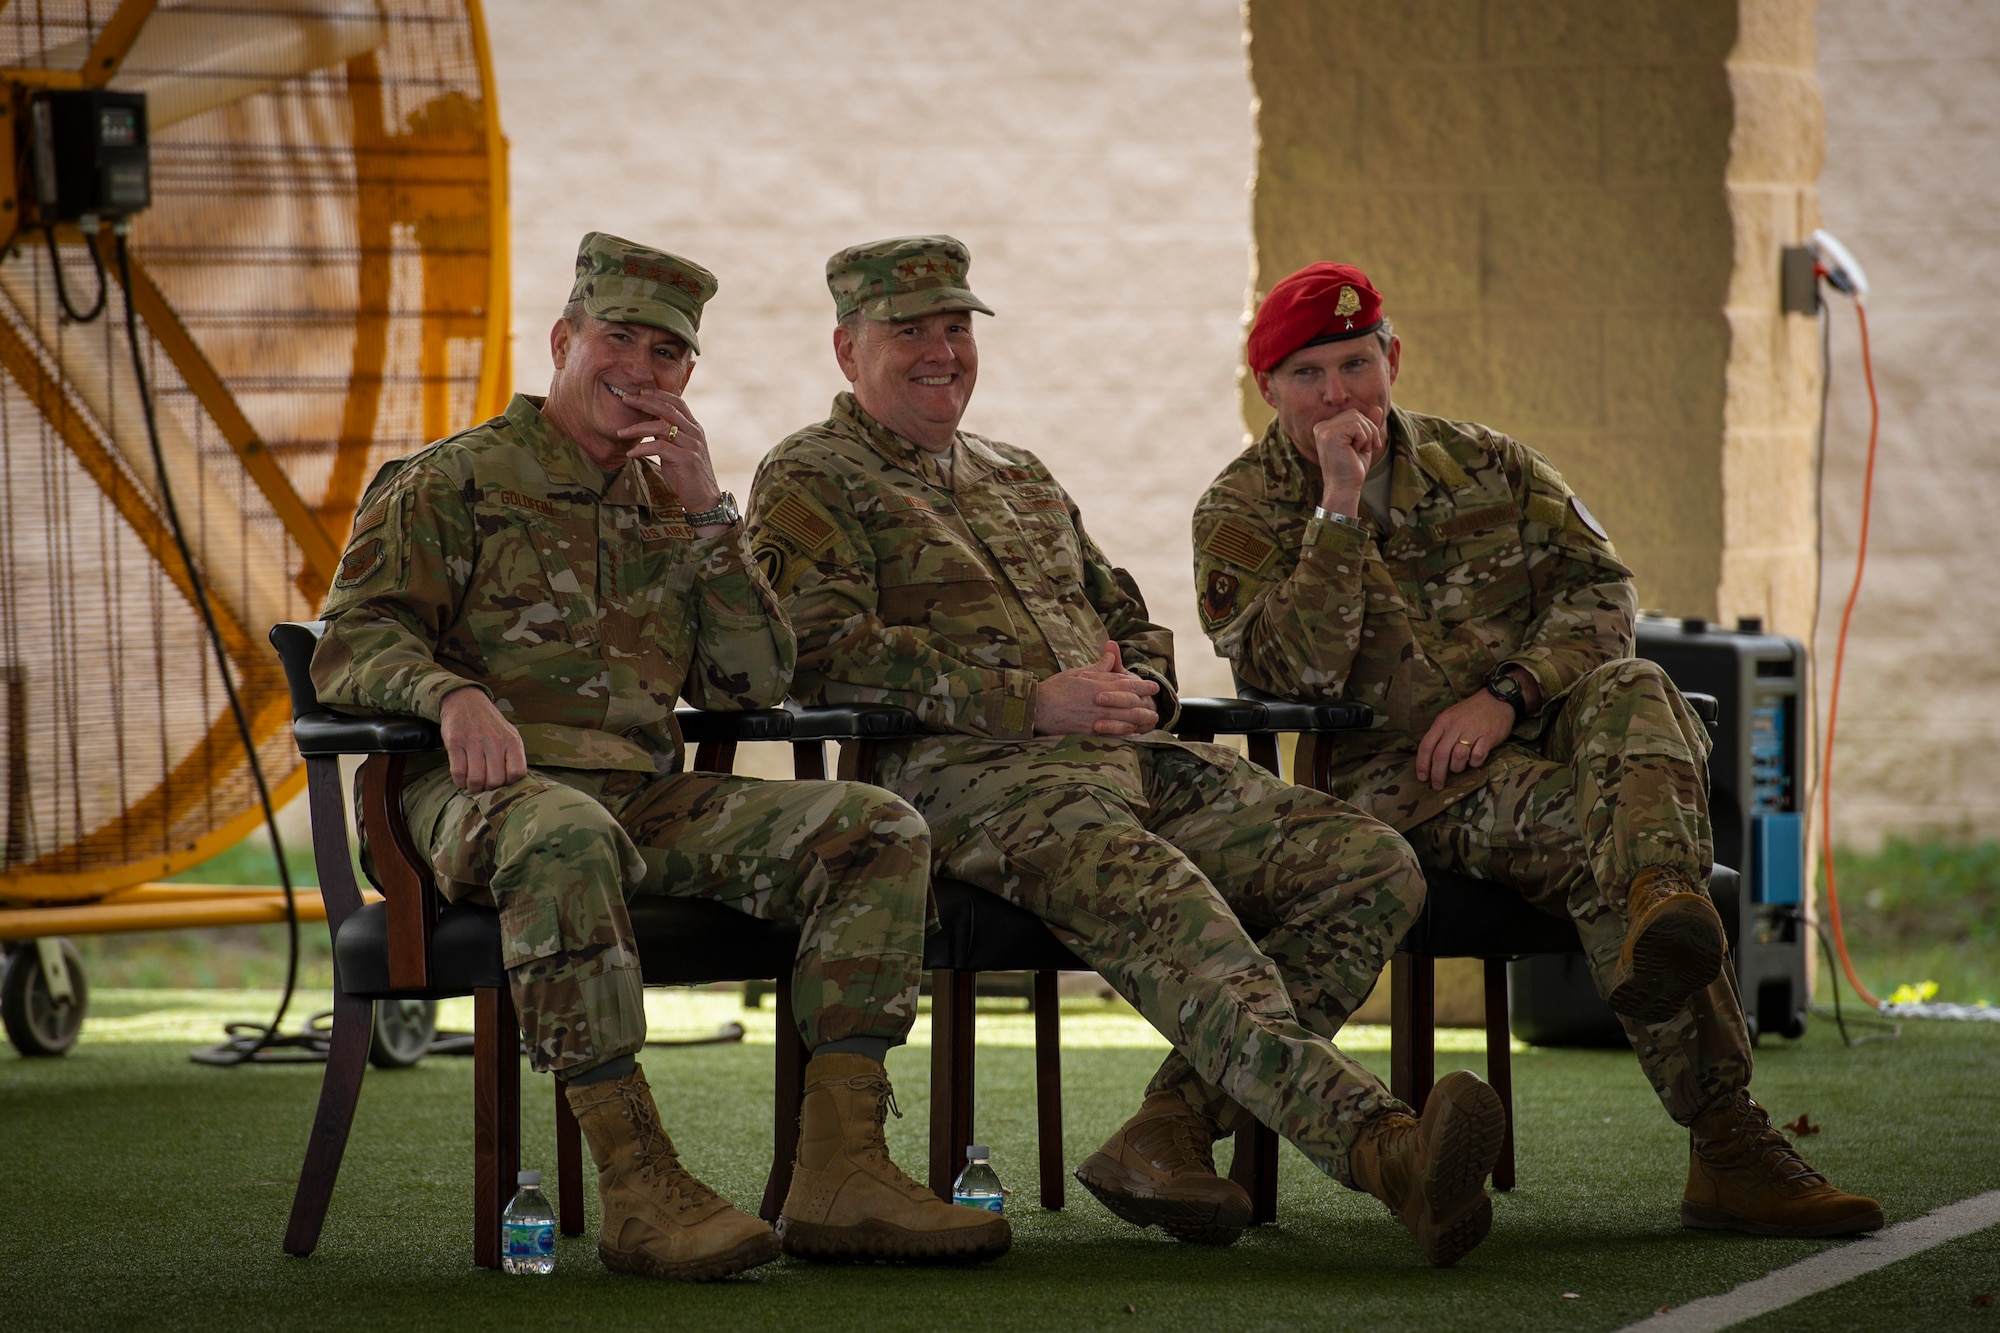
column 534, row 504
column 898, row 500
column 1237, row 545
column 1492, row 516
column 1547, row 509
column 360, row 563
column 799, row 521
column 1218, row 599
column 780, row 563
column 1014, row 714
column 1035, row 504
column 1588, row 519
column 1545, row 472
column 370, row 516
column 1012, row 474
column 1437, row 461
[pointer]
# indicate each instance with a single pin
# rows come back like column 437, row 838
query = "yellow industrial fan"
column 309, row 200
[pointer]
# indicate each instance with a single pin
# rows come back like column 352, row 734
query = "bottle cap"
column 978, row 1152
column 529, row 1179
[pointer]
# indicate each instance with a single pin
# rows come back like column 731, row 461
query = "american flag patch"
column 796, row 519
column 1235, row 544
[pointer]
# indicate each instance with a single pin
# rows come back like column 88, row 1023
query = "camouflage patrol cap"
column 902, row 278
column 634, row 284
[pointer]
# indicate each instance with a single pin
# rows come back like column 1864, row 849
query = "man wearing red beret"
column 1447, row 576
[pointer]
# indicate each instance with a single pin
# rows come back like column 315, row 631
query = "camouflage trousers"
column 1616, row 783
column 1162, row 894
column 561, row 851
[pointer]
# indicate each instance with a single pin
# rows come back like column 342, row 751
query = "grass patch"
column 1922, row 909
column 148, row 1192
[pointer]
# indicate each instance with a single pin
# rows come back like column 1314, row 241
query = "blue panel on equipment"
column 1778, row 859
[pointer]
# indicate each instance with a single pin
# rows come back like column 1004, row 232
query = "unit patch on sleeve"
column 1238, row 545
column 1588, row 519
column 1218, row 598
column 360, row 563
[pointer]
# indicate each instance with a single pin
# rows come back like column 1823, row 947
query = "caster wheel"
column 402, row 1034
column 38, row 1023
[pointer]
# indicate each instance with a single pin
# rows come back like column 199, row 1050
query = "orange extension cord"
column 1839, row 661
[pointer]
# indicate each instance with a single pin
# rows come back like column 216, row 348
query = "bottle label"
column 992, row 1203
column 529, row 1240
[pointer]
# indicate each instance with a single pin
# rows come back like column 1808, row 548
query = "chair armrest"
column 1705, row 706
column 329, row 733
column 852, row 722
column 701, row 726
column 1300, row 715
column 1219, row 717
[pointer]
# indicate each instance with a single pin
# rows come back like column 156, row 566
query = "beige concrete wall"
column 1574, row 210
column 1094, row 157
column 1912, row 185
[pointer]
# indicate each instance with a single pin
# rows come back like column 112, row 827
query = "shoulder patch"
column 1437, row 461
column 360, row 563
column 1235, row 544
column 370, row 517
column 1545, row 472
column 1545, row 508
column 1588, row 519
column 798, row 520
column 1218, row 599
column 779, row 562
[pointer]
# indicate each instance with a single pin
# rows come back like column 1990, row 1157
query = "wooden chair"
column 411, row 945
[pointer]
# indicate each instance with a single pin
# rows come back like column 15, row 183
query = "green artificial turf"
column 147, row 1192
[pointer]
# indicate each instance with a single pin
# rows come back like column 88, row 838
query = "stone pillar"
column 1575, row 210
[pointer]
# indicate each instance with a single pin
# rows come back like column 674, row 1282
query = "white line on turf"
column 1828, row 1269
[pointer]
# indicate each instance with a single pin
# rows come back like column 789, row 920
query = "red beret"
column 1321, row 303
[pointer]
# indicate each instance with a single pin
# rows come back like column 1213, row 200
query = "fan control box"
column 87, row 155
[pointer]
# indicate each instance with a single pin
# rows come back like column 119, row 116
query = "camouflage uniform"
column 1487, row 558
column 503, row 559
column 952, row 596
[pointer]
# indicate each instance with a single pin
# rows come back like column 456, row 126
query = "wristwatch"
column 725, row 511
column 1334, row 516
column 1503, row 686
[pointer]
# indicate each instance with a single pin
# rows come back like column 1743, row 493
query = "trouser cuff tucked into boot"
column 1432, row 1172
column 656, row 1219
column 1673, row 946
column 849, row 1200
column 1159, row 1170
column 1744, row 1175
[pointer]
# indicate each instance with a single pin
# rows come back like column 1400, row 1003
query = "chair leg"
column 346, row 1061
column 569, row 1165
column 1256, row 1170
column 496, row 1117
column 1500, row 1064
column 1048, row 1088
column 1413, row 1029
column 787, row 1094
column 952, row 1037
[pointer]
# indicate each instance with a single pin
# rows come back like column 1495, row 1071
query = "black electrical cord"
column 241, row 1047
column 62, row 292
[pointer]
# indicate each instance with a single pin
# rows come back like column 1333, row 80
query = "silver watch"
column 1344, row 520
column 725, row 511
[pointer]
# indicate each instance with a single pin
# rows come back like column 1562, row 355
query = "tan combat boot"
column 1159, row 1170
column 849, row 1200
column 1744, row 1175
column 1673, row 946
column 656, row 1219
column 1432, row 1172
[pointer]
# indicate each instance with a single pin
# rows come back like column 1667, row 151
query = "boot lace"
column 656, row 1158
column 1755, row 1145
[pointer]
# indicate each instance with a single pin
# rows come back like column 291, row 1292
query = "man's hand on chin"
column 485, row 749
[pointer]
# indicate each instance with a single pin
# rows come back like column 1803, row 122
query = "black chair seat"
column 985, row 933
column 1475, row 918
column 692, row 941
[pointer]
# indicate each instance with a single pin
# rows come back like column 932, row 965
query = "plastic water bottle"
column 978, row 1186
column 528, row 1229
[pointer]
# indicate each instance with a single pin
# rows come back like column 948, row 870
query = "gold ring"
column 671, row 432
column 1463, row 741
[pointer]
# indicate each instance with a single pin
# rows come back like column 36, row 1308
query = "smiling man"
column 1447, row 576
column 950, row 574
column 545, row 586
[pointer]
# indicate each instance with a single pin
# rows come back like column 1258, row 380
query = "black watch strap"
column 1503, row 686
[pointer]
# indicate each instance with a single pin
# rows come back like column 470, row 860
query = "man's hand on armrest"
column 1103, row 700
column 485, row 749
